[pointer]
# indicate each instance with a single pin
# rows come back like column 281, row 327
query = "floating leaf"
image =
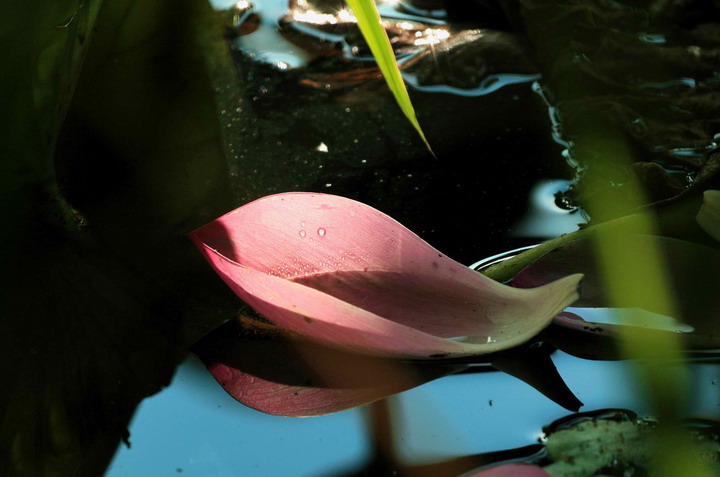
column 591, row 446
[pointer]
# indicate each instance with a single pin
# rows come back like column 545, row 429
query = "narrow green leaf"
column 369, row 22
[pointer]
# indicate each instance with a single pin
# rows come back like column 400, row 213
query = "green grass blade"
column 369, row 22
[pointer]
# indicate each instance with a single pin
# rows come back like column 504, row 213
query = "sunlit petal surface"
column 342, row 273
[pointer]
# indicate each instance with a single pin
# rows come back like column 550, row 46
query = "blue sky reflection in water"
column 195, row 426
column 475, row 413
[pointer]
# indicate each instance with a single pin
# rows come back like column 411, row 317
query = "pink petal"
column 279, row 374
column 510, row 470
column 343, row 273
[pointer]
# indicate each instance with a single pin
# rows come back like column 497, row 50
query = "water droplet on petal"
column 302, row 233
column 321, row 232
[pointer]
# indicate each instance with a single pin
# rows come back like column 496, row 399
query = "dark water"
column 503, row 103
column 322, row 120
